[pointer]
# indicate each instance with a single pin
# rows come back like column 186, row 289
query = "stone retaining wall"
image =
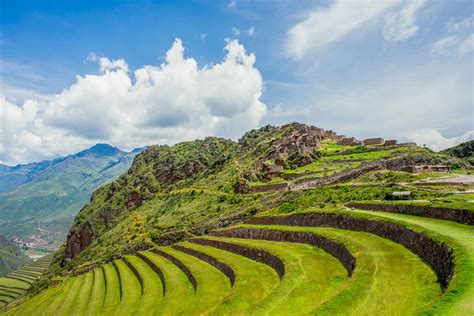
column 224, row 268
column 155, row 269
column 444, row 213
column 135, row 272
column 396, row 164
column 179, row 264
column 438, row 255
column 268, row 187
column 251, row 253
column 119, row 278
column 337, row 250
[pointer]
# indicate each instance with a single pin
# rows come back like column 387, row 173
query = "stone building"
column 426, row 168
column 303, row 139
column 390, row 142
column 374, row 141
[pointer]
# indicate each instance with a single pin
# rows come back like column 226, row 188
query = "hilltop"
column 171, row 193
column 40, row 200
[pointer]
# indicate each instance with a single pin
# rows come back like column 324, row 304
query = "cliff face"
column 78, row 241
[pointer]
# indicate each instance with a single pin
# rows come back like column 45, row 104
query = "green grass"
column 305, row 284
column 179, row 291
column 112, row 293
column 97, row 293
column 212, row 288
column 152, row 287
column 131, row 289
column 254, row 281
column 81, row 303
column 13, row 283
column 386, row 274
column 459, row 297
column 455, row 201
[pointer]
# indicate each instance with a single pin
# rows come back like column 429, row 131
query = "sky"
column 136, row 73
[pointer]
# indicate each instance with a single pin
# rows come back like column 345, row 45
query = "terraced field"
column 15, row 284
column 356, row 262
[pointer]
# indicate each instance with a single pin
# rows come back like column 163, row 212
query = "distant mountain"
column 11, row 257
column 43, row 198
column 463, row 151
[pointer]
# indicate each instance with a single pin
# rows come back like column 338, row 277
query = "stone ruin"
column 303, row 140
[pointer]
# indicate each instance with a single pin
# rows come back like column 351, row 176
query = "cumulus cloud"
column 155, row 104
column 400, row 26
column 435, row 140
column 324, row 26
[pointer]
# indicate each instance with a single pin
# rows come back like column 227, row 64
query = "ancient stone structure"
column 258, row 255
column 438, row 255
column 336, row 249
column 390, row 142
column 374, row 141
column 224, row 268
column 427, row 168
column 304, row 139
column 268, row 187
column 444, row 213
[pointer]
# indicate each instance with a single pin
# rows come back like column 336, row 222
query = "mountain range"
column 40, row 200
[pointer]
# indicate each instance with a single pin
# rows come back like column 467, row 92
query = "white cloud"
column 107, row 64
column 465, row 23
column 467, row 45
column 235, row 31
column 203, row 37
column 400, row 26
column 156, row 104
column 324, row 26
column 251, row 31
column 458, row 40
column 232, row 4
column 435, row 140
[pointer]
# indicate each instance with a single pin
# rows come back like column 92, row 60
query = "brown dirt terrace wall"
column 224, row 268
column 337, row 250
column 444, row 213
column 251, row 253
column 438, row 255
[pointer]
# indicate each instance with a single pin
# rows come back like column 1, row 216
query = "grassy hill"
column 463, row 151
column 11, row 257
column 200, row 228
column 43, row 198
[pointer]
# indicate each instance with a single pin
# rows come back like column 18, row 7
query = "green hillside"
column 11, row 256
column 45, row 205
column 464, row 151
column 285, row 221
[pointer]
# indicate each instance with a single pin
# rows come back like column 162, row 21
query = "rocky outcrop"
column 444, row 213
column 251, row 253
column 224, row 268
column 78, row 241
column 438, row 255
column 337, row 250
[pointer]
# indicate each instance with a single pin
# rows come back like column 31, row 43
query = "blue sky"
column 74, row 73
